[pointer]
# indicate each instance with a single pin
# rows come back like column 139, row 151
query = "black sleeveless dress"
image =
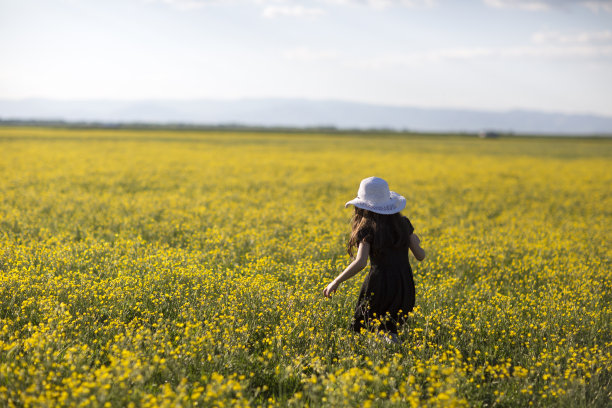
column 387, row 293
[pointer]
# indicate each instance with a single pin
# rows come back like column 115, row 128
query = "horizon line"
column 237, row 126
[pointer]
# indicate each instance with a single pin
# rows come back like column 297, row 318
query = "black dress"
column 387, row 293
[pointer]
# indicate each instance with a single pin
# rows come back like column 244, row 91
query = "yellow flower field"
column 184, row 268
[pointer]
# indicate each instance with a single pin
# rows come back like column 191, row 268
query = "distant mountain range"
column 304, row 113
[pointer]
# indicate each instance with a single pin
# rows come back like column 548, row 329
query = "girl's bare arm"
column 360, row 262
column 415, row 247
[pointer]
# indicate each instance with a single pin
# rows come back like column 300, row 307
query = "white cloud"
column 533, row 5
column 596, row 6
column 306, row 54
column 300, row 8
column 269, row 8
column 573, row 51
column 306, row 7
column 291, row 11
column 554, row 37
column 539, row 5
column 382, row 4
column 185, row 4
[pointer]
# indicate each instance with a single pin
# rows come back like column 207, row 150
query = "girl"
column 381, row 233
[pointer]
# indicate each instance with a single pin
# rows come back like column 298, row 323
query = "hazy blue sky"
column 484, row 54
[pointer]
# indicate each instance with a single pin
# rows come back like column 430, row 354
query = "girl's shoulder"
column 365, row 234
column 408, row 224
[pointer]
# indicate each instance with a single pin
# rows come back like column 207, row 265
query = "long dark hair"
column 379, row 230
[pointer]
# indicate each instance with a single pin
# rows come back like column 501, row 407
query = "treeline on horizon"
column 204, row 127
column 237, row 127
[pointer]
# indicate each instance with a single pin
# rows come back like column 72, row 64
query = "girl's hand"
column 360, row 262
column 331, row 288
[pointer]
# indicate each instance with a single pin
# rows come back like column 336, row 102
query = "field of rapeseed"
column 157, row 268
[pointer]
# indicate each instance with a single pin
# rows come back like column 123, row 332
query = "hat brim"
column 395, row 204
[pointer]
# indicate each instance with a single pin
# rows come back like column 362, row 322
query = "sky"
column 471, row 54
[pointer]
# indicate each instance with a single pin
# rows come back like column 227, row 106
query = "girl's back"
column 388, row 290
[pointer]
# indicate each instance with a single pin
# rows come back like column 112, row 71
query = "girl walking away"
column 381, row 233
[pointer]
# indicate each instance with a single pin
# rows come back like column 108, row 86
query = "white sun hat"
column 374, row 195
